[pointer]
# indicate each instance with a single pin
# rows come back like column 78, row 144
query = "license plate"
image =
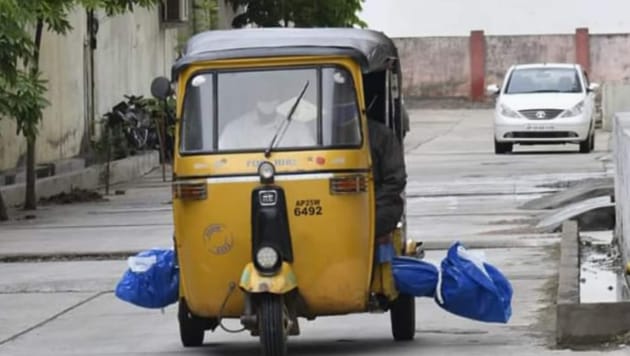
column 534, row 127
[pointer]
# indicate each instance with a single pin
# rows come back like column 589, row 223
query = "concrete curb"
column 592, row 214
column 588, row 189
column 67, row 256
column 123, row 170
column 583, row 324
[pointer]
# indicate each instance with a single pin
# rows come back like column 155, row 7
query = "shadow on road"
column 543, row 152
column 319, row 347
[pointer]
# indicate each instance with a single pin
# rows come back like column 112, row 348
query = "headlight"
column 267, row 257
column 574, row 111
column 507, row 112
column 266, row 171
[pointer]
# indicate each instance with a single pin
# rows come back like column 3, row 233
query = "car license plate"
column 534, row 127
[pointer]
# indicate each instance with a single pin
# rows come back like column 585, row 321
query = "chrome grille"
column 541, row 134
column 541, row 114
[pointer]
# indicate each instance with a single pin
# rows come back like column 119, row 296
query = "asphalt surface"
column 458, row 190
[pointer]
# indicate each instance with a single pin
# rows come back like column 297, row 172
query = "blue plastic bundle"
column 415, row 277
column 151, row 281
column 472, row 288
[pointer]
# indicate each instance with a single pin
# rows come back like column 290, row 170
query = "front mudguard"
column 281, row 282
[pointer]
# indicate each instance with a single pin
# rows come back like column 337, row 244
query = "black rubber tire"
column 273, row 325
column 502, row 147
column 191, row 329
column 586, row 145
column 403, row 318
column 592, row 142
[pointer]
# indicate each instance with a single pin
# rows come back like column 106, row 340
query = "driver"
column 256, row 128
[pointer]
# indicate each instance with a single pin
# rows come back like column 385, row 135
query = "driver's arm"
column 393, row 179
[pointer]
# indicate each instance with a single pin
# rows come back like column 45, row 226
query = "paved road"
column 458, row 189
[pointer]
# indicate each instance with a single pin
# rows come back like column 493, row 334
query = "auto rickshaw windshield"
column 242, row 110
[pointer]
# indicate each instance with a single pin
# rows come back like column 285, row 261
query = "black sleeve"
column 389, row 201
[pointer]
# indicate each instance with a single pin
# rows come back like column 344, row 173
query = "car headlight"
column 266, row 171
column 507, row 112
column 267, row 257
column 574, row 111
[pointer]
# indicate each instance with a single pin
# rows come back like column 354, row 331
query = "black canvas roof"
column 370, row 48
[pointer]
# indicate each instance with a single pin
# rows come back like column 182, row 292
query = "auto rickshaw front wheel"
column 402, row 313
column 273, row 324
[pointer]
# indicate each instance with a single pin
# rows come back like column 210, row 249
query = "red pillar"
column 582, row 48
column 477, row 65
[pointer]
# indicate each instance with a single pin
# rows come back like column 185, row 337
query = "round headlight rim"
column 266, row 171
column 271, row 267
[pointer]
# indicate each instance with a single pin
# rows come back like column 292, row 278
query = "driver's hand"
column 384, row 239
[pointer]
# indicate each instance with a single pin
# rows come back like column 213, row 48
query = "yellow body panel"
column 333, row 252
column 281, row 282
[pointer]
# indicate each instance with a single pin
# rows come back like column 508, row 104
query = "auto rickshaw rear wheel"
column 273, row 322
column 191, row 328
column 402, row 313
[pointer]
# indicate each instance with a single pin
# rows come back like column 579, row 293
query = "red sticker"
column 320, row 160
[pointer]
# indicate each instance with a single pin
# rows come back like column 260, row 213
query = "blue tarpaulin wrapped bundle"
column 151, row 281
column 415, row 277
column 472, row 288
column 465, row 285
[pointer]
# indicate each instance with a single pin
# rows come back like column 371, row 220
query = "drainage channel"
column 602, row 275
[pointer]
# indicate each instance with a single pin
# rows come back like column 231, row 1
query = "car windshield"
column 242, row 110
column 544, row 80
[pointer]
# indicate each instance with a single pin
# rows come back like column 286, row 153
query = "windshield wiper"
column 285, row 124
column 535, row 91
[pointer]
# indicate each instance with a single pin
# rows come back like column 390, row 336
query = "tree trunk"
column 3, row 210
column 30, row 200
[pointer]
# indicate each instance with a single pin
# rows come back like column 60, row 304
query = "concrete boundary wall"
column 435, row 67
column 131, row 49
column 621, row 152
column 121, row 171
column 504, row 51
column 615, row 98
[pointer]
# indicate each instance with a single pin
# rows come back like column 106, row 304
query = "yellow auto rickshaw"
column 273, row 198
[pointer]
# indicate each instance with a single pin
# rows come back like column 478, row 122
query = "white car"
column 544, row 104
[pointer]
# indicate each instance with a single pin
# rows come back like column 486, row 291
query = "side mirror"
column 593, row 87
column 161, row 88
column 493, row 89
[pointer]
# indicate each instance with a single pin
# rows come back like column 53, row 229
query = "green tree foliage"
column 298, row 13
column 22, row 89
column 205, row 15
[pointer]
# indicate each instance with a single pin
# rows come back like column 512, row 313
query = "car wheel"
column 586, row 146
column 593, row 141
column 502, row 147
